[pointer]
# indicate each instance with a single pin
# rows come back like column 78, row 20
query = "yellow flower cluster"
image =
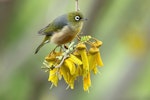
column 78, row 62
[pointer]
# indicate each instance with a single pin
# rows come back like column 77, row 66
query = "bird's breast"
column 63, row 36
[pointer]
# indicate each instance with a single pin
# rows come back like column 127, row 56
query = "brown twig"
column 62, row 61
column 76, row 5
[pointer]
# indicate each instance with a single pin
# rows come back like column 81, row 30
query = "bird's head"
column 75, row 19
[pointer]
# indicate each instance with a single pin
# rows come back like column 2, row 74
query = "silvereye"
column 63, row 29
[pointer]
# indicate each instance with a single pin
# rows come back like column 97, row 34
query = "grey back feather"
column 56, row 25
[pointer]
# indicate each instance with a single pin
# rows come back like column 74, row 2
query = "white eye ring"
column 77, row 18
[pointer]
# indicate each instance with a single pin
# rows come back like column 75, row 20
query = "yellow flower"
column 53, row 72
column 52, row 56
column 53, row 76
column 72, row 78
column 77, row 61
column 86, row 82
column 52, row 60
column 96, row 52
column 69, row 64
column 79, row 71
column 81, row 48
column 99, row 60
column 92, row 58
column 97, row 43
column 64, row 71
column 69, row 79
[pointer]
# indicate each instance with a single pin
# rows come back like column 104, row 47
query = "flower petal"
column 53, row 76
column 86, row 82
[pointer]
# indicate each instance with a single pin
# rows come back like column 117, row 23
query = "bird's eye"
column 77, row 18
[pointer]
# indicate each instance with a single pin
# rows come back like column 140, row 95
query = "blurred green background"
column 122, row 25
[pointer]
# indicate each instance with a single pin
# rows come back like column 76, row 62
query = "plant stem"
column 77, row 5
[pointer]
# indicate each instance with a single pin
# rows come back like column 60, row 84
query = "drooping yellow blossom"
column 76, row 61
column 51, row 59
column 99, row 60
column 64, row 71
column 97, row 43
column 92, row 58
column 69, row 79
column 79, row 71
column 53, row 76
column 70, row 65
column 86, row 82
column 82, row 51
column 94, row 52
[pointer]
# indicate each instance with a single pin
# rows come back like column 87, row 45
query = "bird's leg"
column 65, row 46
column 78, row 37
column 54, row 49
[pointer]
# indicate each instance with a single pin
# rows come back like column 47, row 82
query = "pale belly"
column 64, row 36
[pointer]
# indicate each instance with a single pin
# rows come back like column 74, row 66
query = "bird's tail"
column 46, row 40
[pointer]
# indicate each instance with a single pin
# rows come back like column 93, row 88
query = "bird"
column 63, row 29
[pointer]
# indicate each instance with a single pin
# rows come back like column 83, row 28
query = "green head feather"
column 75, row 17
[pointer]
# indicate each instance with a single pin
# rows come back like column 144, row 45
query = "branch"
column 66, row 54
column 62, row 61
column 76, row 5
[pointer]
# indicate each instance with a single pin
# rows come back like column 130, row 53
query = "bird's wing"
column 55, row 26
